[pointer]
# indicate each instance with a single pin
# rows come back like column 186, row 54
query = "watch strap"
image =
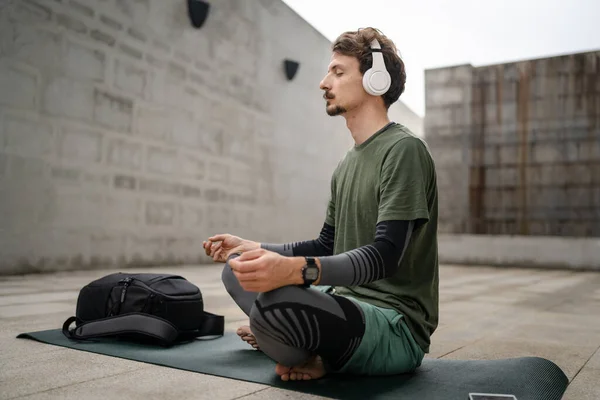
column 310, row 263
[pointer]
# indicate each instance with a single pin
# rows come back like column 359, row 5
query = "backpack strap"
column 212, row 325
column 138, row 323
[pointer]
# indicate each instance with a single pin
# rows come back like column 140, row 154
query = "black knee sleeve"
column 330, row 326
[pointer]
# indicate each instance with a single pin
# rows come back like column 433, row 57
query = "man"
column 363, row 297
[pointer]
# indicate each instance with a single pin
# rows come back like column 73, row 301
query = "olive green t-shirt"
column 391, row 176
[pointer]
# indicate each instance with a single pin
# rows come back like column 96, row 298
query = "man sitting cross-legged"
column 363, row 297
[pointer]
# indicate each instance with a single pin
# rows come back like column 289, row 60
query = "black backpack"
column 155, row 308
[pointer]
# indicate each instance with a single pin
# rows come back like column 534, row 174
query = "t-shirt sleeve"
column 405, row 175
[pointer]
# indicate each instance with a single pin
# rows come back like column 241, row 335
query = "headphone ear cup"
column 366, row 83
column 376, row 82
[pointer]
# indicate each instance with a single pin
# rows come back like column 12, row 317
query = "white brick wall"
column 18, row 87
column 69, row 99
column 26, row 136
column 80, row 144
column 127, row 136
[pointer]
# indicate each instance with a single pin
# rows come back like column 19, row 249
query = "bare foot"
column 312, row 369
column 247, row 336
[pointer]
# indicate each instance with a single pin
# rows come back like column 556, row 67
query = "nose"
column 324, row 85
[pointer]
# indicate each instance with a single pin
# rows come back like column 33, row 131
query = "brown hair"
column 358, row 44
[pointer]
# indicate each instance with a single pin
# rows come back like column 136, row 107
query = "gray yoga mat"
column 528, row 378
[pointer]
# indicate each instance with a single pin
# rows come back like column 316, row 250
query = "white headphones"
column 377, row 80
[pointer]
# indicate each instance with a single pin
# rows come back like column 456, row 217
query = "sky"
column 440, row 33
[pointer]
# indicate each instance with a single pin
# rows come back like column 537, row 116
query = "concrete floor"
column 486, row 313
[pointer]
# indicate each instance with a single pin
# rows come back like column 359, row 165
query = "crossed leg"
column 304, row 330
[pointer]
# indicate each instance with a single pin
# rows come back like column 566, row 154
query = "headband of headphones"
column 377, row 53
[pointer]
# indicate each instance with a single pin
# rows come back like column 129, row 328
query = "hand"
column 220, row 247
column 262, row 270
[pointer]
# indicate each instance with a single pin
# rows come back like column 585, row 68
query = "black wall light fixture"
column 198, row 11
column 291, row 67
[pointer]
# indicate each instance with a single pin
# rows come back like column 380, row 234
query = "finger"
column 251, row 286
column 245, row 266
column 215, row 246
column 217, row 255
column 219, row 237
column 207, row 250
column 252, row 254
column 245, row 277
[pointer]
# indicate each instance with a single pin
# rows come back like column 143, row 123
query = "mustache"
column 328, row 95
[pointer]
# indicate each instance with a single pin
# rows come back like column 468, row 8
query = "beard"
column 332, row 110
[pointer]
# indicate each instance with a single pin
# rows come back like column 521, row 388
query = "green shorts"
column 387, row 347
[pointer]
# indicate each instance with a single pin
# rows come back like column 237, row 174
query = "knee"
column 271, row 301
column 227, row 275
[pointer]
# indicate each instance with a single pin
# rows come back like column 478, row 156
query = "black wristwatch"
column 310, row 272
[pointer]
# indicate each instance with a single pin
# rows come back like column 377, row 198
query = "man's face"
column 342, row 85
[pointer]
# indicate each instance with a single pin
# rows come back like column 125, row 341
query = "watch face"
column 312, row 273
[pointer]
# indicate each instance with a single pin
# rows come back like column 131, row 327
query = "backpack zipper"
column 126, row 283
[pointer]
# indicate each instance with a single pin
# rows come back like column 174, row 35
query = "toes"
column 247, row 337
column 251, row 342
column 306, row 377
column 282, row 369
column 244, row 331
column 283, row 372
